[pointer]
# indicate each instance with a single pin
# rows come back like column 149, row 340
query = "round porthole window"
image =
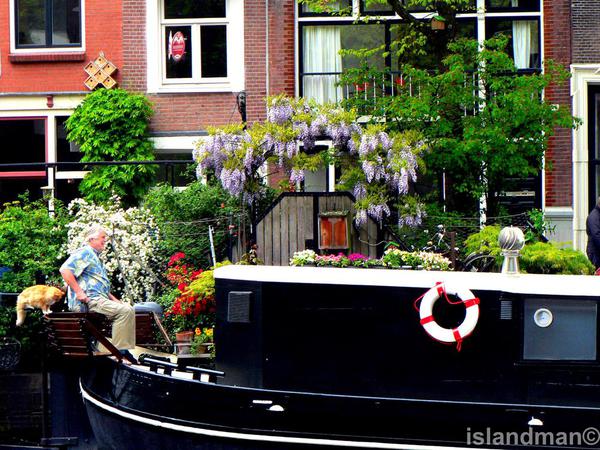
column 543, row 317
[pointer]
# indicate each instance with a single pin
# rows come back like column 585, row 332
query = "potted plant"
column 190, row 306
column 303, row 258
column 357, row 260
column 203, row 341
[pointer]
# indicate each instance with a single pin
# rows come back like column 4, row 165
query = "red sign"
column 176, row 46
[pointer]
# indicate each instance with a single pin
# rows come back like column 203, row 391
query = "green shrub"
column 485, row 241
column 30, row 242
column 548, row 258
column 183, row 217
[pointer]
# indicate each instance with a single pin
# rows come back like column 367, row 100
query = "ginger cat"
column 38, row 296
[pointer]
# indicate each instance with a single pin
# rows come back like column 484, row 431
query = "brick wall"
column 557, row 42
column 586, row 33
column 103, row 33
column 196, row 111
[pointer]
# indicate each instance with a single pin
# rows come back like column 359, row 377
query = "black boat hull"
column 338, row 358
column 138, row 409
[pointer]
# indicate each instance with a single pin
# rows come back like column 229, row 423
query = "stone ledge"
column 46, row 57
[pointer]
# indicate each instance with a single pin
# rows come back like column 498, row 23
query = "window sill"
column 46, row 57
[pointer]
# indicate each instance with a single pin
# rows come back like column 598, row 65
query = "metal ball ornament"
column 511, row 238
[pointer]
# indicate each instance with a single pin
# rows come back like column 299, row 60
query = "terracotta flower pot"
column 183, row 340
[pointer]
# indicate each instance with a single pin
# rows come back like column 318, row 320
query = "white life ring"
column 445, row 334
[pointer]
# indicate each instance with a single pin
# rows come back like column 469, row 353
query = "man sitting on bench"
column 89, row 289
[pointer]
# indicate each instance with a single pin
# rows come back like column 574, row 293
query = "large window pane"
column 178, row 51
column 523, row 43
column 31, row 22
column 23, row 141
column 66, row 151
column 321, row 63
column 378, row 8
column 358, row 37
column 385, row 9
column 466, row 28
column 65, row 22
column 513, row 5
column 194, row 9
column 213, row 51
column 342, row 5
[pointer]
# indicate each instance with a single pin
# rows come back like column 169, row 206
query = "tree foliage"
column 112, row 125
column 485, row 123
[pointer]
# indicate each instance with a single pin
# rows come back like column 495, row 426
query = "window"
column 200, row 46
column 512, row 5
column 333, row 231
column 524, row 40
column 47, row 23
column 322, row 36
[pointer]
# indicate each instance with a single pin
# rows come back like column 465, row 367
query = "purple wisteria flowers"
column 382, row 166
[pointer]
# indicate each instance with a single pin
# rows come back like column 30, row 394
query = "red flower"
column 176, row 257
column 196, row 273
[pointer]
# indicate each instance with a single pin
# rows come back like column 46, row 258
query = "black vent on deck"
column 238, row 307
column 506, row 309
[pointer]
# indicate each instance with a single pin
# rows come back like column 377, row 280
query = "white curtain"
column 525, row 42
column 321, row 47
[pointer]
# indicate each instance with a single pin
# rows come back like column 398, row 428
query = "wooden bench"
column 147, row 328
column 74, row 335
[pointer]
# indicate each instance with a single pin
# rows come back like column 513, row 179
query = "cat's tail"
column 21, row 313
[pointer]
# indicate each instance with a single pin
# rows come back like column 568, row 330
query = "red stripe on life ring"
column 440, row 288
column 471, row 302
column 427, row 319
column 457, row 335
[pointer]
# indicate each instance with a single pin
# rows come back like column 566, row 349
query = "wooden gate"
column 291, row 224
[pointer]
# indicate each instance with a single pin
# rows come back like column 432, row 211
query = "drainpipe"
column 267, row 80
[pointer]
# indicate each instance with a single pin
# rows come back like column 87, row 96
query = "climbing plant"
column 377, row 167
column 112, row 125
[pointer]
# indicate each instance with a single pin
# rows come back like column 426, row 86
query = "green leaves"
column 30, row 242
column 112, row 125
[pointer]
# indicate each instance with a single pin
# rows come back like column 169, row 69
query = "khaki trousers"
column 122, row 316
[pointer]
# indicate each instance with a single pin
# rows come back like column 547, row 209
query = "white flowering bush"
column 377, row 167
column 131, row 247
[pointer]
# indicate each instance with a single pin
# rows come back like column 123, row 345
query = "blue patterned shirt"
column 90, row 274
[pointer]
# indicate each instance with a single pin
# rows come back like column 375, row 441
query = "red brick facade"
column 557, row 43
column 187, row 112
column 59, row 72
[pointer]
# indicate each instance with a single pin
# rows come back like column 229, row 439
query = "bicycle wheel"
column 479, row 262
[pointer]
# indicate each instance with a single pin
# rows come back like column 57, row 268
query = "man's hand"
column 82, row 297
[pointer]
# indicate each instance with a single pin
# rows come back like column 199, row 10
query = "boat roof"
column 563, row 285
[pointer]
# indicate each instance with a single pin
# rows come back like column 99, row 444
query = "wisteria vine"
column 378, row 167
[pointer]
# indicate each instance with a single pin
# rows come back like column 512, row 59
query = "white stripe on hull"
column 258, row 437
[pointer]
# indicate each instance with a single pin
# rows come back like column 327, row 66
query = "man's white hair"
column 94, row 231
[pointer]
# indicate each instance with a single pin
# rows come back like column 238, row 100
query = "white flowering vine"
column 131, row 247
column 378, row 167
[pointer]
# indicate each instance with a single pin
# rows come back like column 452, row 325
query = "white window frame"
column 70, row 49
column 480, row 15
column 156, row 68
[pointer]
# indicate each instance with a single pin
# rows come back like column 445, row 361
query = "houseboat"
column 311, row 358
